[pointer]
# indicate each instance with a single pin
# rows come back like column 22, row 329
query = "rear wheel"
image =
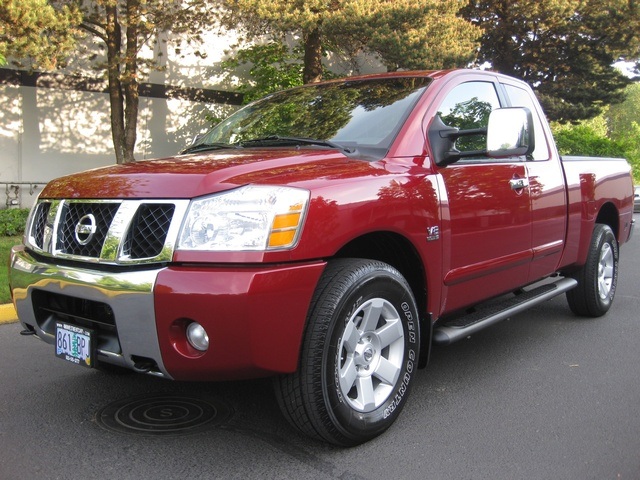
column 598, row 278
column 358, row 356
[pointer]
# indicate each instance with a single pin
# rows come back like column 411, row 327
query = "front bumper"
column 254, row 316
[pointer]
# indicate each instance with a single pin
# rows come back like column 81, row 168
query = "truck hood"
column 189, row 176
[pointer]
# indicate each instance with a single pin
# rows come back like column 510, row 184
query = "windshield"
column 362, row 117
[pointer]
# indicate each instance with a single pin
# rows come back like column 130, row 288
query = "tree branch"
column 94, row 31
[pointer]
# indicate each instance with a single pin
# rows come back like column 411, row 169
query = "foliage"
column 5, row 249
column 623, row 125
column 13, row 221
column 631, row 143
column 409, row 34
column 122, row 29
column 564, row 48
column 620, row 117
column 35, row 29
column 586, row 139
column 615, row 132
column 402, row 33
column 274, row 66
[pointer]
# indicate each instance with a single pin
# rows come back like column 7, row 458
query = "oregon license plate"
column 74, row 344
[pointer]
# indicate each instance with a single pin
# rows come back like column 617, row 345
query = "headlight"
column 254, row 217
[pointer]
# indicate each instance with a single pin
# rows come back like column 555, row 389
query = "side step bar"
column 462, row 327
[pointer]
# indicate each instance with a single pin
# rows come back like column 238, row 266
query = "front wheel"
column 598, row 278
column 358, row 356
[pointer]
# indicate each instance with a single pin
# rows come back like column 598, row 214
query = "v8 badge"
column 433, row 233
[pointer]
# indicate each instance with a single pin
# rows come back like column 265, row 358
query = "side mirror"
column 510, row 133
column 443, row 142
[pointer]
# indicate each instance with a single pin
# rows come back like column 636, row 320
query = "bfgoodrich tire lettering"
column 598, row 278
column 358, row 357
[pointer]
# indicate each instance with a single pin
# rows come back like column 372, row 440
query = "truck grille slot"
column 91, row 215
column 51, row 307
column 149, row 230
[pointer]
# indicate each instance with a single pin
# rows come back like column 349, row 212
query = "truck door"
column 487, row 203
column 546, row 188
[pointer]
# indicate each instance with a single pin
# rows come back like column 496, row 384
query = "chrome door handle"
column 518, row 183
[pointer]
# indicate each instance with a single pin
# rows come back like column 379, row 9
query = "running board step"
column 462, row 327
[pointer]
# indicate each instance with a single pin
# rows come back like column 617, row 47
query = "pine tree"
column 34, row 29
column 407, row 34
column 564, row 48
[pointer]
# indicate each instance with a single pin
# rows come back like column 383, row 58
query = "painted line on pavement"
column 8, row 314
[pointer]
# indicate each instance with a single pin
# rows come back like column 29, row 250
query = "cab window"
column 519, row 97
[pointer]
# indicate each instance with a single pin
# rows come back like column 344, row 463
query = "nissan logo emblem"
column 86, row 229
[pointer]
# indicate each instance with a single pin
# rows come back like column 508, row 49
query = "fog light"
column 198, row 337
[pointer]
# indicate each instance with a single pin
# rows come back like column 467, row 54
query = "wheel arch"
column 400, row 253
column 609, row 215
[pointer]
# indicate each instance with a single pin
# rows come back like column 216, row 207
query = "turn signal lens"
column 285, row 227
column 287, row 220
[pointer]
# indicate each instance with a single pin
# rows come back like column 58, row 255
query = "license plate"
column 74, row 344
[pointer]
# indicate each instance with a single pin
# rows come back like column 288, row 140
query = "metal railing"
column 14, row 190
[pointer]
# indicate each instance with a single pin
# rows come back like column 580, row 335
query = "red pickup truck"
column 327, row 236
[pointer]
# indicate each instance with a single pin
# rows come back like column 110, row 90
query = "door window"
column 468, row 106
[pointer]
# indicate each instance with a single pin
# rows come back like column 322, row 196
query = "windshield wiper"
column 201, row 147
column 277, row 139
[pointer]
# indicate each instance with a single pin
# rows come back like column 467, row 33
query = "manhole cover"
column 162, row 414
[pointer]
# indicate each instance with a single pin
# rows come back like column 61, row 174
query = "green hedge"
column 13, row 221
column 586, row 140
column 583, row 140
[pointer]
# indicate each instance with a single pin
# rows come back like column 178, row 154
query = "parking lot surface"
column 544, row 395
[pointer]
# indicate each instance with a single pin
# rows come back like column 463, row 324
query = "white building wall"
column 47, row 132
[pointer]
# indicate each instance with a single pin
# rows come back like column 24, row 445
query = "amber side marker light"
column 285, row 227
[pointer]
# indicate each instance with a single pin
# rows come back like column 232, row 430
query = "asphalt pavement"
column 543, row 395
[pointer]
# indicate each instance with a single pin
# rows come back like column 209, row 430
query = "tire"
column 598, row 278
column 359, row 354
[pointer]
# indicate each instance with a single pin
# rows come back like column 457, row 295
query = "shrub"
column 583, row 140
column 13, row 221
column 588, row 140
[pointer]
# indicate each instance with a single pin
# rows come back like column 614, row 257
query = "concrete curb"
column 8, row 314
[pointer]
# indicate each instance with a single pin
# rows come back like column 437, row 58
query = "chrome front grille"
column 96, row 216
column 106, row 231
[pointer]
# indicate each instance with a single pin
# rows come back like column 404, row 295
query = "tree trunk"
column 312, row 71
column 114, row 46
column 130, row 81
column 123, row 87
